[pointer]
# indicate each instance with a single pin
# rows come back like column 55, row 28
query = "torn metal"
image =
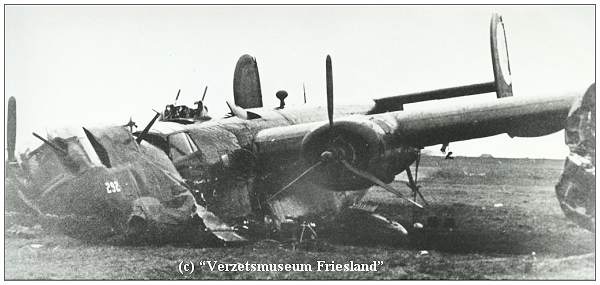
column 108, row 185
column 576, row 189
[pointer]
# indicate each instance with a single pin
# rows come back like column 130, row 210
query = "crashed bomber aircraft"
column 189, row 179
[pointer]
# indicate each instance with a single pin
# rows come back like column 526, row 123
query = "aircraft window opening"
column 157, row 141
column 180, row 145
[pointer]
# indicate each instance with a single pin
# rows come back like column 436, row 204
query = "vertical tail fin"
column 11, row 128
column 246, row 83
column 500, row 61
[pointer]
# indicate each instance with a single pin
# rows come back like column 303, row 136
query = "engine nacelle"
column 366, row 144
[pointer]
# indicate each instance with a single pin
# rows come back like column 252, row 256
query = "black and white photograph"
column 299, row 141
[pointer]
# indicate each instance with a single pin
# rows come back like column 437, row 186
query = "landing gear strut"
column 412, row 183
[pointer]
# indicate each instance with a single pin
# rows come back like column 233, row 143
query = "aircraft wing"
column 356, row 151
column 518, row 117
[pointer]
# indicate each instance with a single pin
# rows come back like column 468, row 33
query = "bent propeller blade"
column 147, row 128
column 308, row 170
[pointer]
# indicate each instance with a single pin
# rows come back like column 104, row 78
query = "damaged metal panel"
column 141, row 194
column 231, row 198
column 213, row 142
column 576, row 189
column 241, row 130
column 305, row 199
column 217, row 227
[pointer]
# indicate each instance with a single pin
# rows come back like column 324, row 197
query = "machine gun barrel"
column 51, row 144
column 204, row 95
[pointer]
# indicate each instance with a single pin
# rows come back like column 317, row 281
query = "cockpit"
column 184, row 114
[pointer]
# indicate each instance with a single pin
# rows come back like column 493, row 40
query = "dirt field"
column 503, row 210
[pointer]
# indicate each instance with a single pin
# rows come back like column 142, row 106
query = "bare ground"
column 502, row 210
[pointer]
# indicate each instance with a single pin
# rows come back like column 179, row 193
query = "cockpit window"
column 180, row 145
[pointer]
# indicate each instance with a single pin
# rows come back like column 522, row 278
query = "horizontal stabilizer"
column 502, row 84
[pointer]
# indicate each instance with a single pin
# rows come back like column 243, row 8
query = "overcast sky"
column 99, row 65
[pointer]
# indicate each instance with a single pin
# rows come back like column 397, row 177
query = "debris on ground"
column 24, row 231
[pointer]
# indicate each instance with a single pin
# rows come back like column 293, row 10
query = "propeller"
column 308, row 170
column 376, row 180
column 130, row 124
column 11, row 128
column 328, row 156
column 147, row 128
column 329, row 82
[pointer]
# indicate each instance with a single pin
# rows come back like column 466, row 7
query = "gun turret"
column 184, row 114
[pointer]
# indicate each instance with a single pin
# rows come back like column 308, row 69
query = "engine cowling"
column 367, row 144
